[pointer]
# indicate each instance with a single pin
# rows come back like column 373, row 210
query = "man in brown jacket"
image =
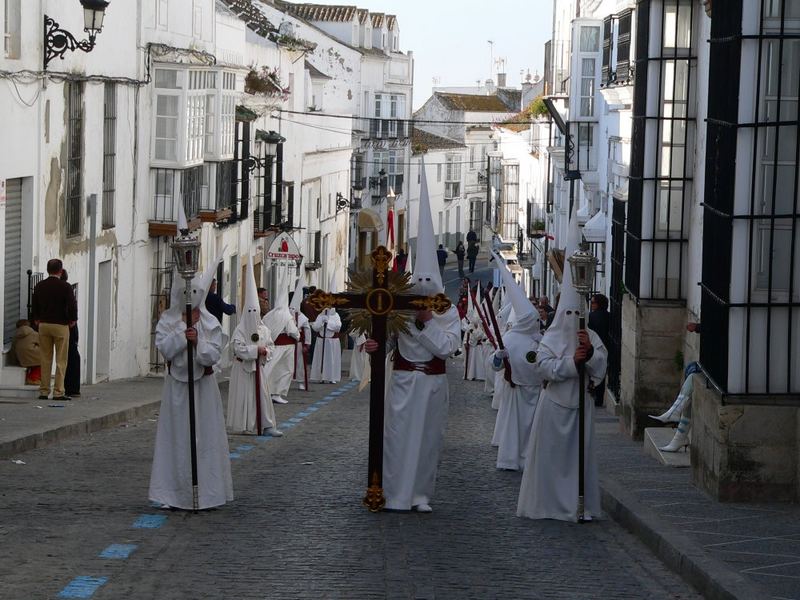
column 54, row 311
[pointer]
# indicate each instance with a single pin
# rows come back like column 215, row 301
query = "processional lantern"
column 186, row 251
column 582, row 266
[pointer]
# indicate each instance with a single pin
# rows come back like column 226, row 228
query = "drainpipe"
column 91, row 205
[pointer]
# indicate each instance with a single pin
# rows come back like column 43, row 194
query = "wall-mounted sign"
column 284, row 251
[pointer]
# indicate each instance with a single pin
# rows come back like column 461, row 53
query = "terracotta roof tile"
column 323, row 12
column 472, row 102
column 423, row 141
column 377, row 19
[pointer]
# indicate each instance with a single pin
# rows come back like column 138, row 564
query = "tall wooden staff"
column 582, row 269
column 498, row 334
column 186, row 251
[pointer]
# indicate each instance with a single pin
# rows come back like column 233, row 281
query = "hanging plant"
column 267, row 82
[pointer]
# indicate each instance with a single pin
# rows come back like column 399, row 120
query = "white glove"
column 501, row 354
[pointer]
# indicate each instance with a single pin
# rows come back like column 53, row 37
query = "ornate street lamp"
column 582, row 266
column 57, row 41
column 186, row 251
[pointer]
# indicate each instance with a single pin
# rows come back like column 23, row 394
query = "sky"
column 450, row 38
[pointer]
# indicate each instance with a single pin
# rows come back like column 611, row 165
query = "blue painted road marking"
column 235, row 455
column 305, row 413
column 313, row 408
column 264, row 438
column 244, row 448
column 82, row 587
column 295, row 420
column 118, row 551
column 149, row 522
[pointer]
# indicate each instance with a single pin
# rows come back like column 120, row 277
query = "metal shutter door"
column 13, row 266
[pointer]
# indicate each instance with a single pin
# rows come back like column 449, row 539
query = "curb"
column 72, row 430
column 711, row 577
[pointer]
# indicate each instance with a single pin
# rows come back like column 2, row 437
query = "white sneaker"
column 279, row 400
column 423, row 508
column 274, row 432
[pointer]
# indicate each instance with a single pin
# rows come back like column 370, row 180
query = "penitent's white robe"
column 358, row 357
column 549, row 488
column 332, row 369
column 416, row 414
column 171, row 474
column 488, row 353
column 242, row 389
column 476, row 363
column 280, row 368
column 517, row 404
column 300, row 357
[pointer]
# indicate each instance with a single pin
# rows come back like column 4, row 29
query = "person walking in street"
column 170, row 476
column 285, row 335
column 460, row 252
column 472, row 254
column 250, row 409
column 216, row 305
column 549, row 488
column 401, row 260
column 263, row 301
column 441, row 257
column 417, row 395
column 54, row 310
column 72, row 376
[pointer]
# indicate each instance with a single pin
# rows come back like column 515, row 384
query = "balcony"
column 171, row 186
column 452, row 190
column 388, row 129
column 220, row 206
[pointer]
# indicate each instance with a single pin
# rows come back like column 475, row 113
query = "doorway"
column 104, row 300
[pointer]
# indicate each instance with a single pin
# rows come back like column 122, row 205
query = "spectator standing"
column 472, row 254
column 402, row 260
column 72, row 377
column 54, row 310
column 441, row 256
column 600, row 323
column 216, row 305
column 263, row 301
column 460, row 252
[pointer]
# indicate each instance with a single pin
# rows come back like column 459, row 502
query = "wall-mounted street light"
column 342, row 202
column 57, row 41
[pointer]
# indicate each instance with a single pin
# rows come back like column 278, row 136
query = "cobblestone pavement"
column 296, row 528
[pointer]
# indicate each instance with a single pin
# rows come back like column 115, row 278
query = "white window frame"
column 12, row 29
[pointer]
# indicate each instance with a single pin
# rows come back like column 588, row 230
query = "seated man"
column 26, row 350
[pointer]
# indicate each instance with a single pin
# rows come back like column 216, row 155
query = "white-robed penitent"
column 327, row 348
column 489, row 381
column 171, row 474
column 474, row 339
column 517, row 403
column 281, row 323
column 250, row 335
column 358, row 357
column 549, row 488
column 301, row 366
column 417, row 396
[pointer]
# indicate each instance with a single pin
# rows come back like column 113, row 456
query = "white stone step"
column 19, row 392
column 655, row 437
column 12, row 375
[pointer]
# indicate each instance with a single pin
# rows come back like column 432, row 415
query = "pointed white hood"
column 426, row 279
column 250, row 318
column 525, row 315
column 562, row 335
column 297, row 296
column 183, row 224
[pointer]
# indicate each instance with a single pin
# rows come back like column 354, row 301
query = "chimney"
column 501, row 80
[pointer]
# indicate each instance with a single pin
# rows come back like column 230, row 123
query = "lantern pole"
column 582, row 265
column 186, row 252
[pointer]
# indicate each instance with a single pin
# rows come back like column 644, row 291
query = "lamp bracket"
column 58, row 41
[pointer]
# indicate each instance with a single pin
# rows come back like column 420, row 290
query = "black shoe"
column 43, row 397
column 64, row 397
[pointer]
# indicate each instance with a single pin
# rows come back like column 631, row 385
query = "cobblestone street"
column 296, row 528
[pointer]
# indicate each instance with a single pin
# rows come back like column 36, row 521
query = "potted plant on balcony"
column 266, row 82
column 538, row 229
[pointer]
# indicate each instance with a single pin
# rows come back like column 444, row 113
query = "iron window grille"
column 660, row 184
column 751, row 273
column 617, row 291
column 74, row 195
column 109, row 153
column 162, row 280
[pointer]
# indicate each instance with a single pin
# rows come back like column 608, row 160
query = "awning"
column 369, row 220
column 595, row 228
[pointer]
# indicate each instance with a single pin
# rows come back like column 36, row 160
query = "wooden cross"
column 380, row 300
